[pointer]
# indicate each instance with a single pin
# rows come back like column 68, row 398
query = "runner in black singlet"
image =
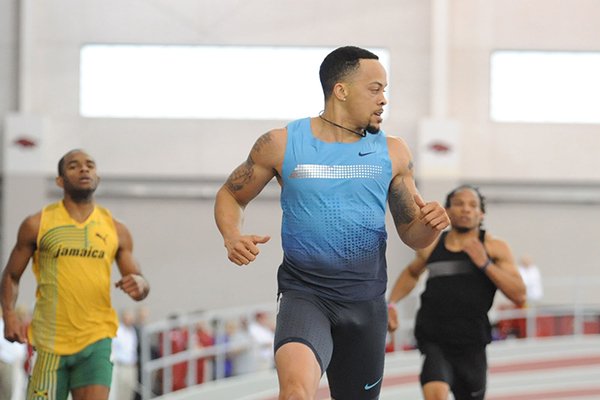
column 466, row 266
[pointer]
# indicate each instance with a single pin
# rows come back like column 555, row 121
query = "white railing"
column 158, row 357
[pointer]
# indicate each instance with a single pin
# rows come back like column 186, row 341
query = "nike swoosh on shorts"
column 369, row 387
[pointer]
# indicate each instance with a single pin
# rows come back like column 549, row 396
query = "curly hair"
column 470, row 187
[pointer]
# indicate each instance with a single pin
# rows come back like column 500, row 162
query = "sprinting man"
column 73, row 244
column 336, row 173
column 466, row 266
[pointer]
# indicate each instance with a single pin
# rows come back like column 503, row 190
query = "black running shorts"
column 347, row 338
column 463, row 369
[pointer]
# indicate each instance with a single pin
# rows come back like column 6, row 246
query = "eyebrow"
column 88, row 161
column 379, row 84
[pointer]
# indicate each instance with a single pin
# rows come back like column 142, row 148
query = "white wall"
column 142, row 147
column 519, row 151
column 176, row 241
column 9, row 63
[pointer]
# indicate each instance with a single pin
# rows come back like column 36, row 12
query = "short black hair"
column 61, row 162
column 469, row 187
column 340, row 63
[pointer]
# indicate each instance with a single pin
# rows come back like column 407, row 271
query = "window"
column 538, row 86
column 213, row 82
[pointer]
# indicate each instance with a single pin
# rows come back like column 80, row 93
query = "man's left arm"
column 132, row 282
column 418, row 222
column 495, row 259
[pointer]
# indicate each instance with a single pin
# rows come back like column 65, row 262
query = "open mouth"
column 378, row 116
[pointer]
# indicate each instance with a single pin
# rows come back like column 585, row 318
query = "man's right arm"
column 407, row 280
column 242, row 186
column 9, row 285
column 405, row 283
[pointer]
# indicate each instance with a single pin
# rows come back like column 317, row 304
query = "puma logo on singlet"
column 43, row 393
column 102, row 237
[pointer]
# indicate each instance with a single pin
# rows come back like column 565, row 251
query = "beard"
column 77, row 194
column 463, row 229
column 81, row 195
column 371, row 129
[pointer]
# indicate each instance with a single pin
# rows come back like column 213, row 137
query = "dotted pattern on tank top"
column 351, row 247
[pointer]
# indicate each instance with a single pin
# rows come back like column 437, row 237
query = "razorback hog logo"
column 25, row 142
column 439, row 147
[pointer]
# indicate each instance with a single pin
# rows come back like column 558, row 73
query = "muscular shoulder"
column 396, row 145
column 122, row 232
column 400, row 155
column 33, row 219
column 496, row 246
column 120, row 225
column 30, row 227
column 269, row 148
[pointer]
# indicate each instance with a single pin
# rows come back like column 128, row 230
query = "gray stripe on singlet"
column 446, row 268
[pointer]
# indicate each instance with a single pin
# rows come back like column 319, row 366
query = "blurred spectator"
column 222, row 366
column 125, row 359
column 176, row 341
column 250, row 344
column 533, row 279
column 262, row 332
column 141, row 317
column 241, row 348
column 203, row 339
column 178, row 337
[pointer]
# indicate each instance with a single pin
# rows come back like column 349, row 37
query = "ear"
column 481, row 216
column 60, row 182
column 340, row 91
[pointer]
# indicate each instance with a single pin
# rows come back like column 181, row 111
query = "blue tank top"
column 333, row 200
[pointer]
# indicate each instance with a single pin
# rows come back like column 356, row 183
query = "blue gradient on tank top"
column 334, row 203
